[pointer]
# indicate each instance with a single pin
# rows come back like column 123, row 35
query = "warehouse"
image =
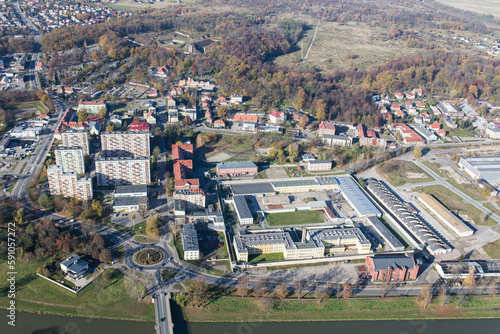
column 407, row 220
column 356, row 197
column 450, row 221
column 388, row 238
column 481, row 168
column 254, row 189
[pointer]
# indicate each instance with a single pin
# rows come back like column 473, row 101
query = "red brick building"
column 392, row 268
column 236, row 168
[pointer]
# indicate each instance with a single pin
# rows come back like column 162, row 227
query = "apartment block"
column 68, row 184
column 191, row 199
column 125, row 144
column 76, row 138
column 92, row 107
column 122, row 171
column 70, row 158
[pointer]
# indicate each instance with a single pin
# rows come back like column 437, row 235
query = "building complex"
column 70, row 158
column 67, row 184
column 125, row 144
column 122, row 171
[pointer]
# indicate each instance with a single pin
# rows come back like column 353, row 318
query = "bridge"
column 163, row 315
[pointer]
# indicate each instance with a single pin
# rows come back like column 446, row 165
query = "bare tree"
column 444, row 296
column 321, row 295
column 386, row 288
column 143, row 210
column 492, row 290
column 135, row 287
column 346, row 290
column 426, row 296
column 242, row 286
column 299, row 285
column 281, row 291
column 260, row 288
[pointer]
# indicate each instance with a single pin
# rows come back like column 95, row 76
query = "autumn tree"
column 222, row 112
column 242, row 287
column 110, row 128
column 82, row 115
column 187, row 121
column 260, row 288
column 417, row 153
column 470, row 279
column 200, row 141
column 153, row 225
column 321, row 110
column 347, row 290
column 425, row 297
column 98, row 208
column 105, row 256
column 303, row 121
column 281, row 291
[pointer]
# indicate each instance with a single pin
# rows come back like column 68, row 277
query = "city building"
column 408, row 135
column 173, row 116
column 68, row 184
column 191, row 199
column 326, row 128
column 235, row 168
column 122, row 171
column 486, row 168
column 92, row 107
column 125, row 144
column 460, row 270
column 76, row 138
column 70, row 158
column 116, row 120
column 449, row 220
column 385, row 236
column 493, row 130
column 187, row 195
column 277, row 117
column 242, row 210
column 190, row 247
column 392, row 268
column 356, row 197
column 130, row 198
column 336, row 140
column 427, row 134
column 139, row 127
column 236, row 99
column 319, row 165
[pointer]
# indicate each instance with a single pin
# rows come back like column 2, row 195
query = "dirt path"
column 311, row 42
column 52, row 304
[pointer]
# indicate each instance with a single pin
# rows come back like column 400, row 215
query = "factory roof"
column 252, row 188
column 236, row 164
column 130, row 200
column 242, row 208
column 387, row 235
column 356, row 197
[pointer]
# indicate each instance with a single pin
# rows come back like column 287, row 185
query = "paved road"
column 466, row 198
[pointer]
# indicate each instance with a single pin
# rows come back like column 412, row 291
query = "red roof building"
column 392, row 268
column 409, row 136
column 219, row 124
column 246, row 118
column 139, row 126
column 326, row 128
column 435, row 126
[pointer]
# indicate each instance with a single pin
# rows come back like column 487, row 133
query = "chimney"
column 304, row 233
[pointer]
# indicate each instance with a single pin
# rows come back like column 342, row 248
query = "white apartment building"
column 122, row 171
column 70, row 158
column 76, row 138
column 191, row 199
column 68, row 184
column 190, row 242
column 92, row 107
column 125, row 144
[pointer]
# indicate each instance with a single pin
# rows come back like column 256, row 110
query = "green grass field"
column 126, row 5
column 399, row 172
column 487, row 7
column 493, row 249
column 256, row 258
column 37, row 295
column 25, row 106
column 403, row 308
column 454, row 203
column 295, row 218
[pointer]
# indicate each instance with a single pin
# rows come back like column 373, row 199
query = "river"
column 27, row 323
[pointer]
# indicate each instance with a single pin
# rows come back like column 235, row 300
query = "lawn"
column 26, row 105
column 12, row 185
column 454, row 203
column 399, row 172
column 228, row 309
column 119, row 253
column 270, row 257
column 144, row 240
column 295, row 218
column 493, row 249
column 37, row 295
column 139, row 228
column 487, row 7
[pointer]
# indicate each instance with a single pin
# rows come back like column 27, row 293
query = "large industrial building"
column 125, row 144
column 482, row 168
column 356, row 197
column 314, row 243
column 449, row 220
column 388, row 238
column 408, row 223
column 76, row 138
column 190, row 242
column 70, row 158
column 68, row 184
column 122, row 171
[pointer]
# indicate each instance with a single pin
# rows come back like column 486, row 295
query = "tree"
column 187, row 121
column 303, row 121
column 281, row 291
column 470, row 279
column 95, row 56
column 321, row 295
column 153, row 226
column 321, row 110
column 242, row 287
column 425, row 297
column 156, row 152
column 82, row 115
column 134, row 286
column 346, row 290
column 299, row 285
column 44, row 201
column 222, row 112
column 443, row 295
column 101, row 113
column 143, row 210
column 260, row 288
column 417, row 153
column 105, row 256
column 293, row 156
column 104, row 278
column 110, row 128
column 98, row 208
column 492, row 290
column 199, row 140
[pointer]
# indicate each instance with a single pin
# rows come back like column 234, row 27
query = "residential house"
column 236, row 99
column 326, row 128
column 219, row 123
column 277, row 117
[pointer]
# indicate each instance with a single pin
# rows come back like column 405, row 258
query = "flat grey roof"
column 252, row 188
column 318, row 236
column 257, row 239
column 189, row 238
column 356, row 197
column 242, row 208
column 385, row 233
column 131, row 189
column 383, row 262
column 236, row 164
column 294, row 183
column 313, row 162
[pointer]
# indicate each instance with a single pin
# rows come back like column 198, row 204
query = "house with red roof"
column 277, row 117
column 441, row 132
column 399, row 113
column 326, row 128
column 420, row 105
column 435, row 126
column 418, row 92
column 176, row 91
column 395, row 107
column 219, row 123
column 410, row 137
column 410, row 96
column 399, row 95
column 139, row 126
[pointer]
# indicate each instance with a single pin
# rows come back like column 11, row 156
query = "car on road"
column 72, row 221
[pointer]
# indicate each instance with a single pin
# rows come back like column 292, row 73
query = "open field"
column 295, row 218
column 127, row 5
column 399, row 172
column 37, row 295
column 487, row 7
column 403, row 308
column 493, row 249
column 26, row 106
column 454, row 203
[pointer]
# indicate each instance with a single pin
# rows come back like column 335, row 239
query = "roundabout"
column 148, row 257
